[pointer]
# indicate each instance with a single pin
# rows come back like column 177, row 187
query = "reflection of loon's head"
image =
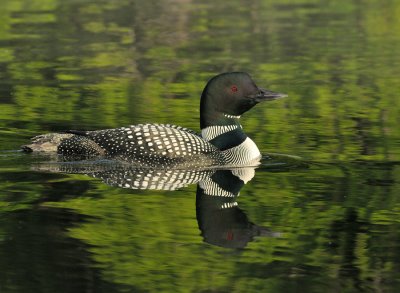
column 220, row 220
column 229, row 227
column 229, row 95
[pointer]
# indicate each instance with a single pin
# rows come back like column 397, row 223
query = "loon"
column 222, row 141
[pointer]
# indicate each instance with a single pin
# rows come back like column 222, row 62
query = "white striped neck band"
column 231, row 116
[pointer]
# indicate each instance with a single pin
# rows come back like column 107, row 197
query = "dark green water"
column 327, row 223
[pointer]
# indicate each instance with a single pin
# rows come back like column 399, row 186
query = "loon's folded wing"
column 144, row 145
column 155, row 145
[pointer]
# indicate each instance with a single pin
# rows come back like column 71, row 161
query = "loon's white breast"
column 247, row 153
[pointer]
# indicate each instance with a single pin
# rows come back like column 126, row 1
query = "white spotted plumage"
column 152, row 178
column 154, row 145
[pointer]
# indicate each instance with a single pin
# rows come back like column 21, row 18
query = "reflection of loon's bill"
column 281, row 162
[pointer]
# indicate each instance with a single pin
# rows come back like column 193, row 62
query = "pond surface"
column 321, row 216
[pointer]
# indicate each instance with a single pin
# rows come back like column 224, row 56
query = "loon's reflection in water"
column 219, row 217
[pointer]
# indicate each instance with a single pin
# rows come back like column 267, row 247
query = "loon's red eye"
column 234, row 89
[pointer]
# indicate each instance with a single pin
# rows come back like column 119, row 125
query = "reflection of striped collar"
column 212, row 188
column 229, row 205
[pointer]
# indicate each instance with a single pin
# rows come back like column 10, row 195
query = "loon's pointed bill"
column 267, row 95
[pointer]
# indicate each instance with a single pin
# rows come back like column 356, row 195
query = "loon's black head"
column 230, row 94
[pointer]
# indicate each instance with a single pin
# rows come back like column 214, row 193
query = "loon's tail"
column 46, row 142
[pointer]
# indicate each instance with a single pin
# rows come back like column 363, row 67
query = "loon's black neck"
column 223, row 130
column 225, row 133
column 213, row 112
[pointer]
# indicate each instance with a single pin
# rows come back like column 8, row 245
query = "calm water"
column 329, row 221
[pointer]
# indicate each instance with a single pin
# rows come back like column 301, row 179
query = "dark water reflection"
column 304, row 221
column 331, row 225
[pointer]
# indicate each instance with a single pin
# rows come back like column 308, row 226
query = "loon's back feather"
column 146, row 145
column 87, row 132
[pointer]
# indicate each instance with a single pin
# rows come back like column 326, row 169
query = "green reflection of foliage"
column 149, row 239
column 125, row 250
